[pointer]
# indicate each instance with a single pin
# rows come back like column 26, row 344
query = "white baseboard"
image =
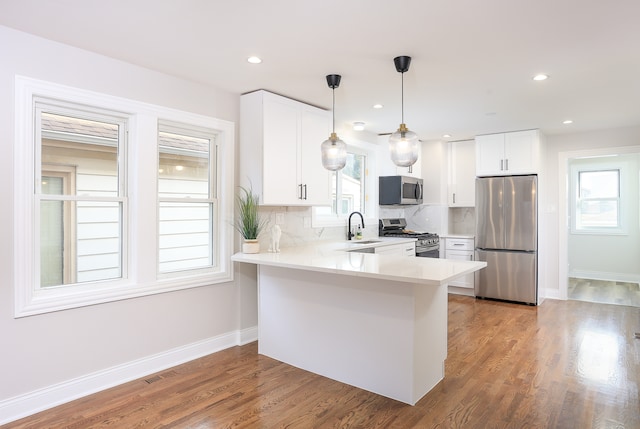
column 456, row 290
column 247, row 336
column 606, row 276
column 39, row 400
column 553, row 294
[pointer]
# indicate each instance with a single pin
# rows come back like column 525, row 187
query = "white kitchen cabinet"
column 401, row 249
column 461, row 249
column 508, row 153
column 462, row 174
column 280, row 150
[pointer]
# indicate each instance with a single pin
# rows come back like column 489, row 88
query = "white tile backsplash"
column 296, row 230
column 462, row 220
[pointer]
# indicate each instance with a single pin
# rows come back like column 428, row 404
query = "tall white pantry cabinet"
column 279, row 151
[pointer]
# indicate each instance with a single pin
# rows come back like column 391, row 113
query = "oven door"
column 432, row 251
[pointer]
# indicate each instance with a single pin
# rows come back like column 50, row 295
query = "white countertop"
column 334, row 257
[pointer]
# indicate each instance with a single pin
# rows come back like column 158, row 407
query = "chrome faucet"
column 349, row 233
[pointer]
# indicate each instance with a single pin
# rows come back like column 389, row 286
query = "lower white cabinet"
column 461, row 249
column 402, row 249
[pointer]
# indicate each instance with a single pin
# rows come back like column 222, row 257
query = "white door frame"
column 563, row 205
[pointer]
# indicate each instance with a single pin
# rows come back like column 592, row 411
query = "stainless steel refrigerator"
column 507, row 238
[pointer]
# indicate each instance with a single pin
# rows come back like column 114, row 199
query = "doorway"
column 600, row 245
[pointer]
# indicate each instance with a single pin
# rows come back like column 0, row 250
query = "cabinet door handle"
column 506, row 164
column 454, row 198
column 300, row 191
column 502, row 165
column 305, row 191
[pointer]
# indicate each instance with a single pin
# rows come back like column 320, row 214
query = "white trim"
column 142, row 275
column 563, row 214
column 248, row 335
column 553, row 294
column 42, row 399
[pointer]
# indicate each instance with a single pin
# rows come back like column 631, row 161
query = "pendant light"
column 403, row 144
column 334, row 150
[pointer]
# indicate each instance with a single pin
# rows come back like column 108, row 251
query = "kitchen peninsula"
column 377, row 322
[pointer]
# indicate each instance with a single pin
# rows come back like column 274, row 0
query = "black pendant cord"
column 333, row 111
column 402, row 106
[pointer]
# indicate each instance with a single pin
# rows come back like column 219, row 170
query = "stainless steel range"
column 427, row 243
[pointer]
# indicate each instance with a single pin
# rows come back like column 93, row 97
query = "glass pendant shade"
column 334, row 150
column 403, row 146
column 334, row 153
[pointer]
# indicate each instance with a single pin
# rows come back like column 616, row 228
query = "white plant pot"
column 250, row 246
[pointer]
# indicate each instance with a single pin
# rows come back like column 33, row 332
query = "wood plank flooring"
column 565, row 364
column 604, row 292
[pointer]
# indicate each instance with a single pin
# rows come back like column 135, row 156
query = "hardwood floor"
column 565, row 364
column 604, row 292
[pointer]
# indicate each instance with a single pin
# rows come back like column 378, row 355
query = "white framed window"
column 598, row 199
column 350, row 190
column 79, row 194
column 91, row 210
column 597, row 189
column 187, row 198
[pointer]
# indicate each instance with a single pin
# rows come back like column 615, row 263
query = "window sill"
column 55, row 299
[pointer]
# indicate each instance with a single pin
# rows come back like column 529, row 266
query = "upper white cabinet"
column 280, row 150
column 462, row 174
column 508, row 153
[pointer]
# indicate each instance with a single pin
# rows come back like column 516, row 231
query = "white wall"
column 556, row 149
column 38, row 352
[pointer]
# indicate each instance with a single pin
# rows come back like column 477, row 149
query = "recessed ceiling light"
column 567, row 122
column 377, row 106
column 446, row 136
column 254, row 60
column 358, row 126
column 541, row 77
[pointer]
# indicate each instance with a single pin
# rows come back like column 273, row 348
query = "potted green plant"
column 248, row 221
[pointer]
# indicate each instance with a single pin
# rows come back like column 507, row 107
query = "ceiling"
column 472, row 61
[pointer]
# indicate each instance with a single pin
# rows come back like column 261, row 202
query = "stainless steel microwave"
column 399, row 190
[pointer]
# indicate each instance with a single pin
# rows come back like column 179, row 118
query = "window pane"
column 185, row 236
column 185, row 194
column 183, row 166
column 598, row 214
column 88, row 147
column 352, row 195
column 79, row 241
column 599, row 184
